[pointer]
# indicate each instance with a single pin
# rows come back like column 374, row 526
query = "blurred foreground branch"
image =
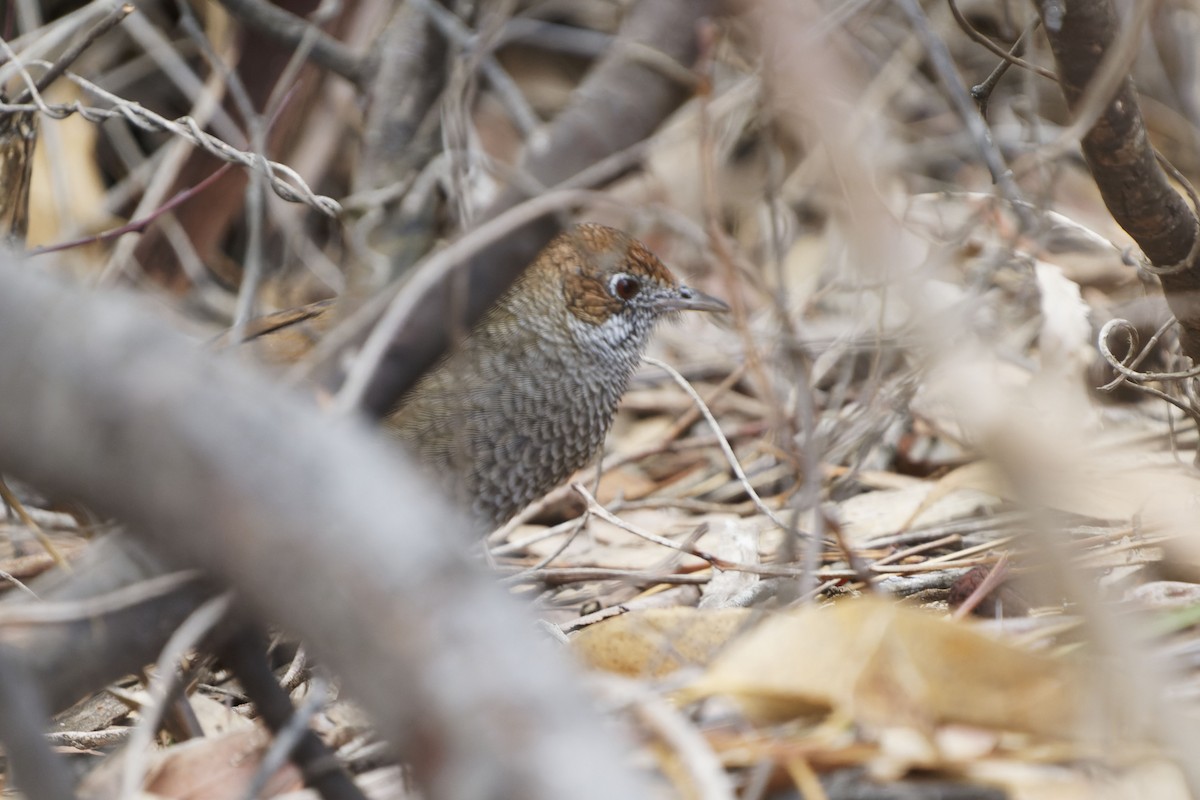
column 221, row 471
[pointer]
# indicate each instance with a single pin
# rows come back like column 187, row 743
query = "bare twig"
column 292, row 30
column 678, row 732
column 1005, row 55
column 453, row 28
column 12, row 501
column 730, row 457
column 137, row 225
column 960, row 101
column 162, row 686
column 246, row 655
column 72, row 53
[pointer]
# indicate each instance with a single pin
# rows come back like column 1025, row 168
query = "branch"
column 286, row 27
column 222, row 471
column 1134, row 187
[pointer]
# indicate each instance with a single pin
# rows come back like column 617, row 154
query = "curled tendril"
column 1128, row 371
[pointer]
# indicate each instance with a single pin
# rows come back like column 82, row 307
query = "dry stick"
column 288, row 739
column 960, row 101
column 721, row 440
column 14, row 502
column 1007, row 56
column 52, row 612
column 559, row 576
column 982, row 91
column 691, row 550
column 15, row 581
column 555, row 37
column 674, row 729
column 952, row 559
column 689, row 417
column 73, row 52
column 292, row 30
column 578, row 526
column 246, row 655
column 450, row 26
column 90, row 740
column 917, row 549
column 853, row 559
column 1136, row 378
column 162, row 685
column 1188, row 261
column 1127, row 372
column 994, row 578
column 508, row 547
column 52, row 36
column 138, row 225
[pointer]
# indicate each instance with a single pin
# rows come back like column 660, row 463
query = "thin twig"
column 677, row 731
column 14, row 502
column 287, row 738
column 137, row 225
column 292, row 30
column 1009, row 57
column 734, row 464
column 162, row 685
column 772, row 570
column 73, row 52
column 505, row 87
column 960, row 101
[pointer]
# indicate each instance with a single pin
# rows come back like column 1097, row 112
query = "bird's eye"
column 626, row 287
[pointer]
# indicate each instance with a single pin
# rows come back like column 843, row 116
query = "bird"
column 529, row 395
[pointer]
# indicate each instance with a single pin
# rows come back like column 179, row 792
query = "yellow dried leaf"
column 887, row 665
column 658, row 641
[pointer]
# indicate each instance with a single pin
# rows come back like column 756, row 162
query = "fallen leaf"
column 658, row 641
column 888, row 666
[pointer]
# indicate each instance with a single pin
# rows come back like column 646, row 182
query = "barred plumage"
column 529, row 396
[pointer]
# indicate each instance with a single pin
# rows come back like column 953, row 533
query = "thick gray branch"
column 319, row 525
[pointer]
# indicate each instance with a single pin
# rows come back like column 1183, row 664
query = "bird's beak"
column 689, row 299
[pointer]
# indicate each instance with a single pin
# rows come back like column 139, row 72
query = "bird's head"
column 612, row 288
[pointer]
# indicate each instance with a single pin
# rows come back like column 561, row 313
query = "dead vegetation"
column 915, row 520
